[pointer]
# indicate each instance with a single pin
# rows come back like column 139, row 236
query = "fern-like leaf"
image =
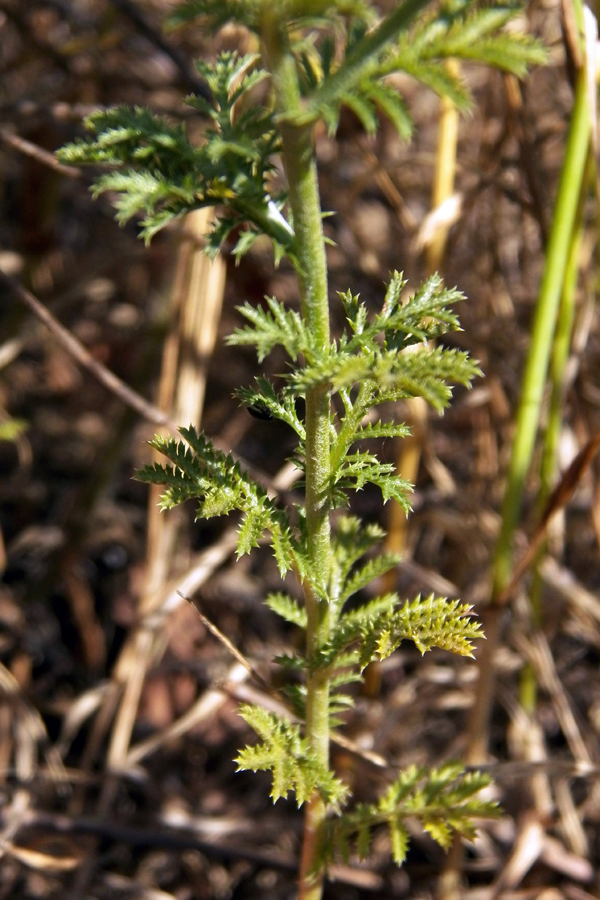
column 431, row 622
column 363, row 576
column 352, row 540
column 160, row 174
column 271, row 327
column 205, row 474
column 285, row 753
column 287, row 608
column 443, row 800
column 381, row 430
column 279, row 406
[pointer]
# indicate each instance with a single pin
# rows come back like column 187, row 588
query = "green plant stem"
column 311, row 264
column 534, row 378
column 528, row 414
column 558, row 364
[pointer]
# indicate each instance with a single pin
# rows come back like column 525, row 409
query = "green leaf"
column 363, row 109
column 272, row 327
column 280, row 406
column 397, row 375
column 11, row 429
column 287, row 608
column 443, row 800
column 252, row 528
column 211, row 477
column 358, row 469
column 285, row 753
column 374, row 568
column 160, row 174
column 391, row 105
column 399, row 839
column 382, row 430
column 352, row 540
column 431, row 622
column 245, row 241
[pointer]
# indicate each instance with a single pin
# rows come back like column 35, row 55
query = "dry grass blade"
column 30, row 731
column 48, row 862
column 526, row 850
column 205, row 708
column 564, row 582
column 538, row 653
column 195, row 305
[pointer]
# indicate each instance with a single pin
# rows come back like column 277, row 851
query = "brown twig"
column 170, row 839
column 76, row 349
column 558, row 499
column 231, row 648
column 149, row 837
column 38, row 153
column 116, row 386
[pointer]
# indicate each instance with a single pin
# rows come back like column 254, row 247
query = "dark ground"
column 176, row 821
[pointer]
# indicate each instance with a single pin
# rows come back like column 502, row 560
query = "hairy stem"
column 311, row 265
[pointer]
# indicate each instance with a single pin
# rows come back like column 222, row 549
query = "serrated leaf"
column 280, row 406
column 431, row 622
column 287, row 608
column 374, row 568
column 285, row 753
column 440, row 831
column 219, row 485
column 352, row 540
column 244, row 243
column 363, row 109
column 391, row 105
column 359, row 469
column 399, row 840
column 397, row 488
column 159, row 173
column 253, row 525
column 272, row 327
column 382, row 430
column 442, row 800
column 397, row 375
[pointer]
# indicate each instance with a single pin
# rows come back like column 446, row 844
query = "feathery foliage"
column 343, row 58
column 319, row 56
column 285, row 753
column 444, row 801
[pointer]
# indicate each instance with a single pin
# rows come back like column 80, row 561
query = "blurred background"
column 118, row 720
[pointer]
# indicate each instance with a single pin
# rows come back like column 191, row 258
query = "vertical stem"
column 536, row 369
column 311, row 265
column 560, row 356
column 528, row 414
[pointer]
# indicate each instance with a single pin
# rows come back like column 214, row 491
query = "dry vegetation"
column 118, row 715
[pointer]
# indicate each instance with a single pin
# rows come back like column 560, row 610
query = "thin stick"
column 179, row 839
column 231, row 648
column 76, row 349
column 116, row 386
column 38, row 153
column 374, row 759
